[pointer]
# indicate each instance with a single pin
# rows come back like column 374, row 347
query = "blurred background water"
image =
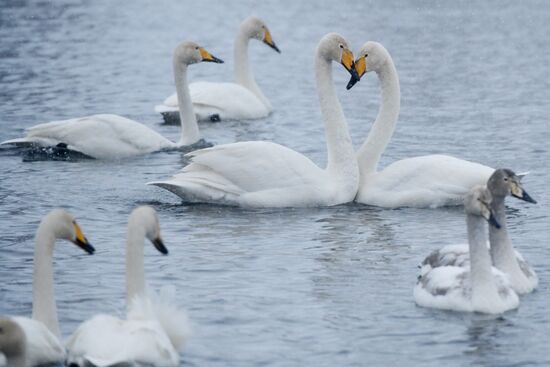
column 308, row 287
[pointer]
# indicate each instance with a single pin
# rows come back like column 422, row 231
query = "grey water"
column 292, row 287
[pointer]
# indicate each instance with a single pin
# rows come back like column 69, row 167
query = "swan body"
column 13, row 343
column 521, row 275
column 242, row 99
column 41, row 332
column 154, row 329
column 264, row 174
column 479, row 287
column 108, row 136
column 425, row 181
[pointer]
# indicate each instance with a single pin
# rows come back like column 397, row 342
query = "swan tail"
column 173, row 319
column 22, row 142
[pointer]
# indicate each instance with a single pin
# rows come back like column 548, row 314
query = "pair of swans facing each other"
column 151, row 334
column 108, row 136
column 265, row 174
column 473, row 277
column 240, row 100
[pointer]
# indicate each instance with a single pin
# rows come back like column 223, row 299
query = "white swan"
column 220, row 101
column 42, row 330
column 503, row 182
column 112, row 136
column 478, row 288
column 426, row 181
column 153, row 331
column 13, row 344
column 264, row 174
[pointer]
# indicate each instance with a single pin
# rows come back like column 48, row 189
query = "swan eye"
column 505, row 178
column 341, row 46
column 366, row 55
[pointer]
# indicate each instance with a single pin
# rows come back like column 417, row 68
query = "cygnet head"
column 504, row 182
column 188, row 53
column 255, row 28
column 63, row 225
column 334, row 47
column 145, row 217
column 371, row 57
column 12, row 342
column 478, row 202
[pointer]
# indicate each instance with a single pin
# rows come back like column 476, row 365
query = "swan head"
column 63, row 225
column 145, row 218
column 12, row 339
column 504, row 182
column 188, row 53
column 334, row 47
column 478, row 202
column 372, row 56
column 255, row 28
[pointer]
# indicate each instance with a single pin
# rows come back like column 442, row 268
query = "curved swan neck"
column 481, row 274
column 502, row 251
column 43, row 301
column 189, row 127
column 243, row 73
column 341, row 156
column 382, row 130
column 135, row 275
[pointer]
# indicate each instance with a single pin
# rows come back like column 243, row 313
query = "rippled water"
column 298, row 287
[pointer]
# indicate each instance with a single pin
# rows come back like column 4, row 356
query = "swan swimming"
column 265, row 174
column 523, row 279
column 13, row 344
column 42, row 334
column 240, row 100
column 425, row 181
column 112, row 137
column 154, row 329
column 478, row 287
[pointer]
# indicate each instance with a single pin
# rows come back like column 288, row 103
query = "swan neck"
column 481, row 274
column 43, row 301
column 135, row 274
column 502, row 250
column 189, row 127
column 243, row 72
column 341, row 156
column 370, row 152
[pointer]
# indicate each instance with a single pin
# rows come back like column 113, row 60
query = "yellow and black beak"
column 268, row 40
column 347, row 62
column 159, row 245
column 520, row 193
column 360, row 68
column 206, row 56
column 81, row 240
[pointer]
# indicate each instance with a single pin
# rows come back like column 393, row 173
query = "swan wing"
column 450, row 255
column 227, row 100
column 106, row 340
column 425, row 181
column 98, row 136
column 445, row 288
column 43, row 346
column 256, row 172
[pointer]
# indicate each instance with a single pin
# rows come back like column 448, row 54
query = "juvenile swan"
column 264, row 174
column 478, row 288
column 425, row 181
column 220, row 101
column 502, row 183
column 152, row 333
column 13, row 343
column 112, row 136
column 42, row 330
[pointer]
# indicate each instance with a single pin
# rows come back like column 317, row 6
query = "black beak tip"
column 494, row 222
column 352, row 81
column 86, row 247
column 159, row 245
column 528, row 198
column 274, row 46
